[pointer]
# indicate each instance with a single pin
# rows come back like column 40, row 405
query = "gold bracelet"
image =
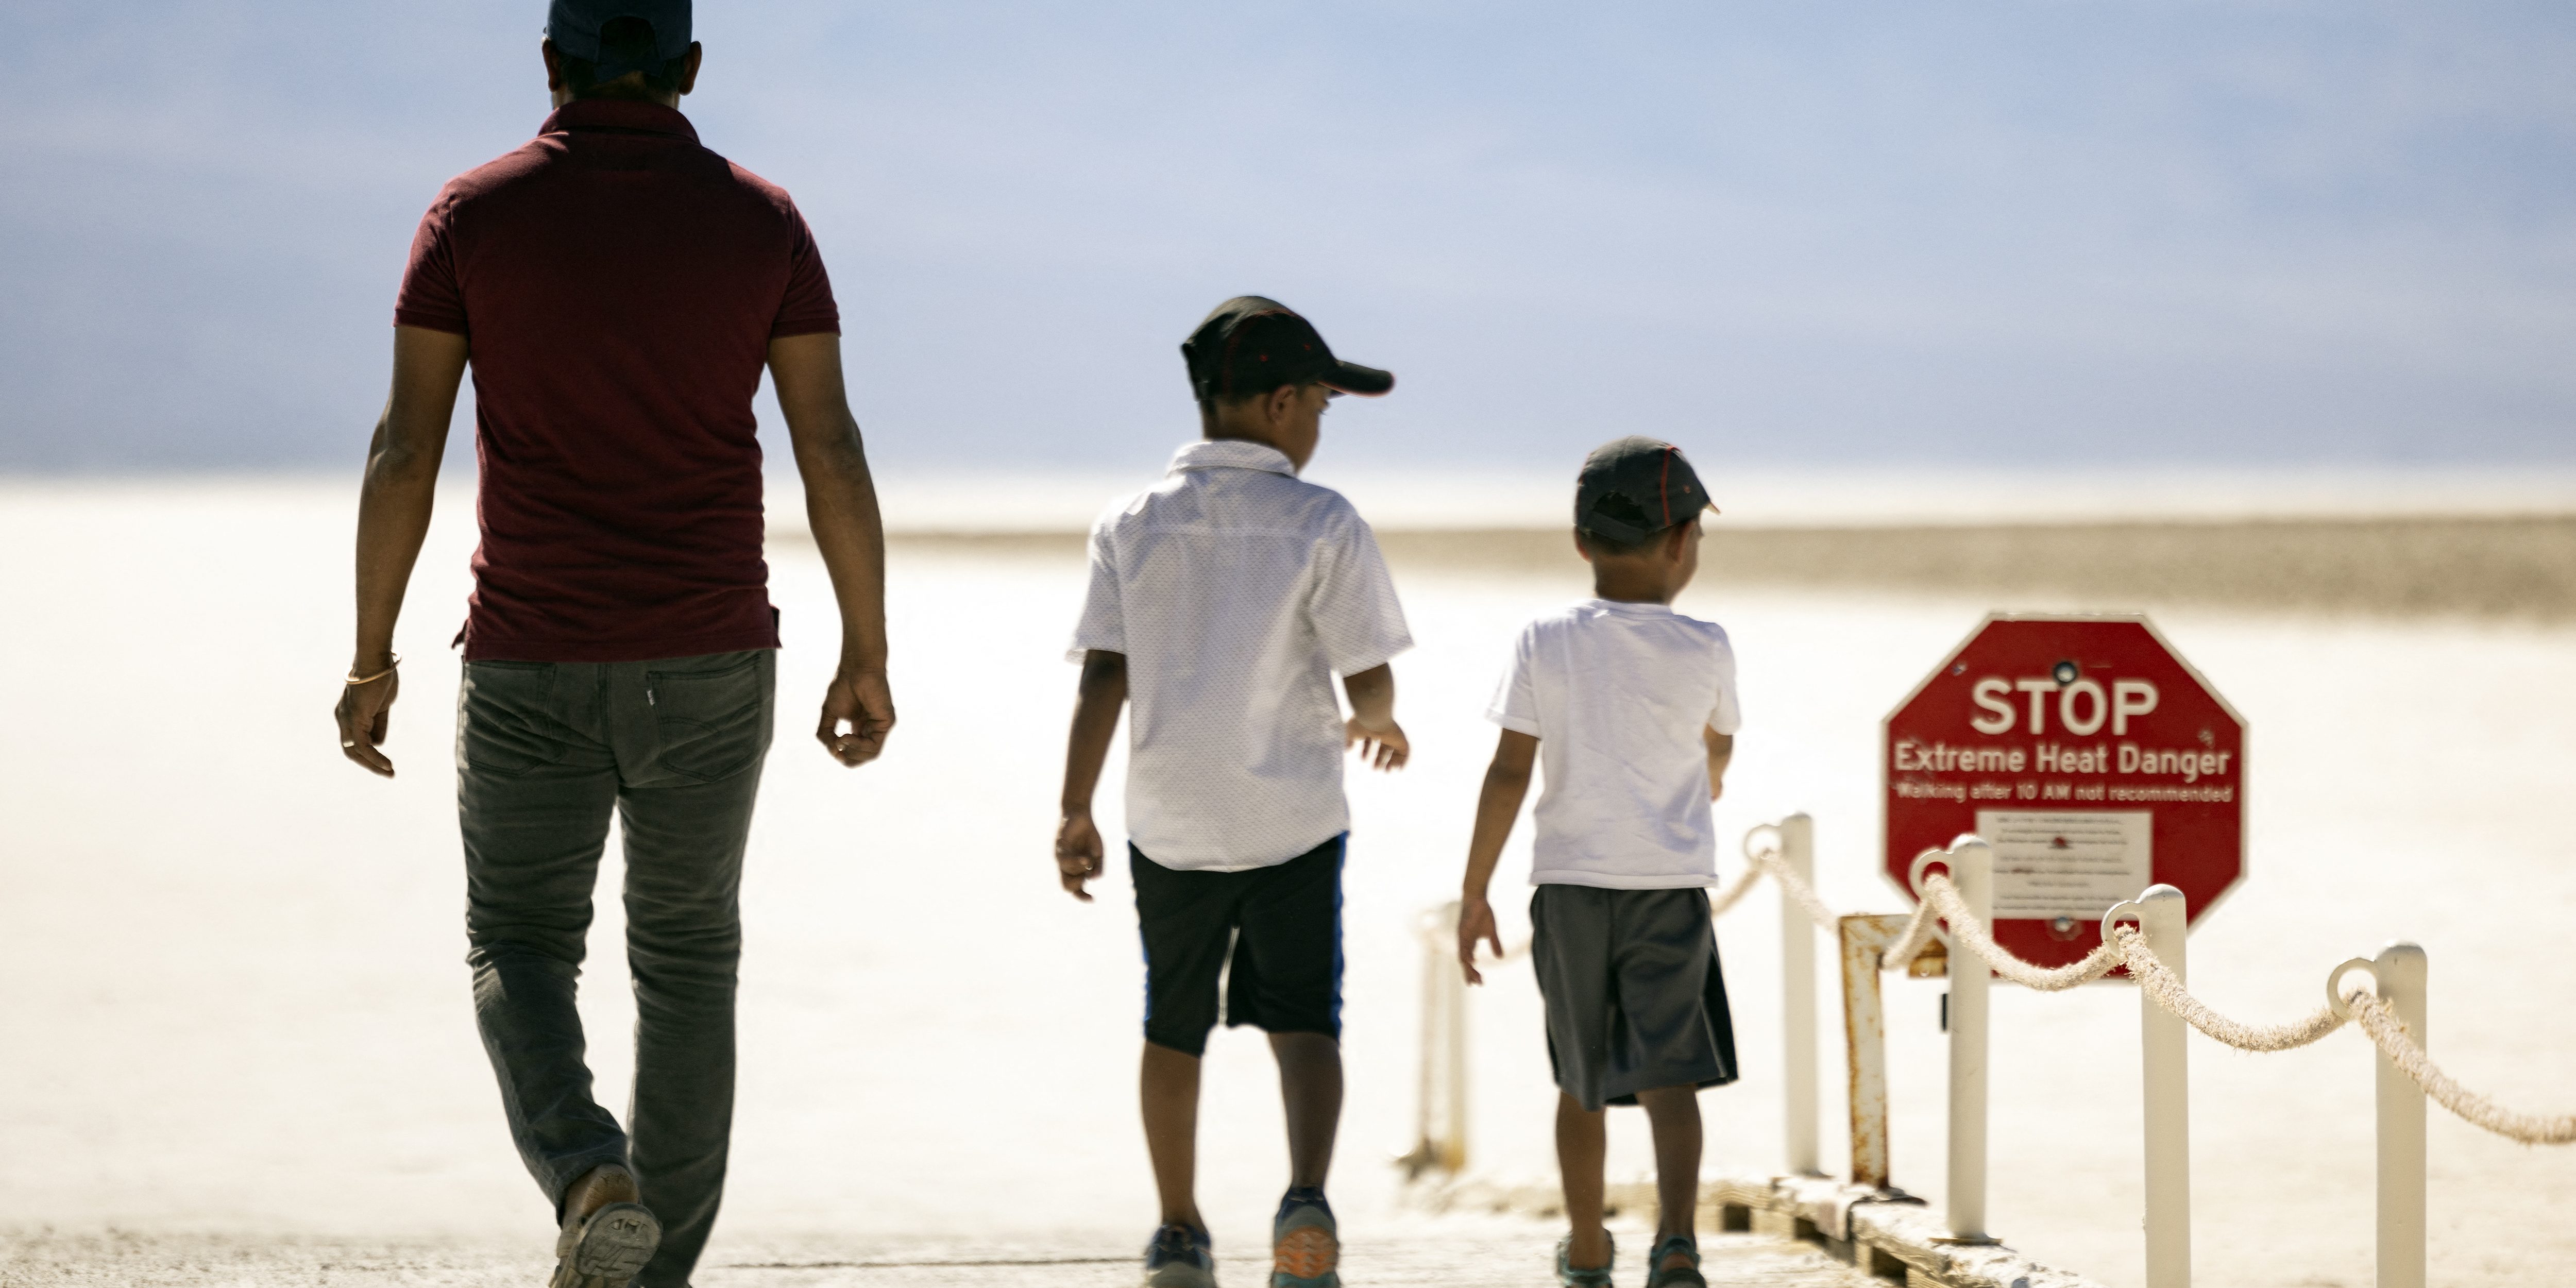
column 355, row 678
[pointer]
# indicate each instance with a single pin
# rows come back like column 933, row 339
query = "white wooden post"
column 2400, row 968
column 1798, row 1000
column 1972, row 869
column 2164, row 1058
column 1440, row 1113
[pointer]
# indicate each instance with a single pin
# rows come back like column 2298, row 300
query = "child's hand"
column 1381, row 746
column 1476, row 921
column 1077, row 853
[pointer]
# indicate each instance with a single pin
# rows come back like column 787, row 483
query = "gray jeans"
column 545, row 752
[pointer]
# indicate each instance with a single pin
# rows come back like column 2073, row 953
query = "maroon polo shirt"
column 618, row 286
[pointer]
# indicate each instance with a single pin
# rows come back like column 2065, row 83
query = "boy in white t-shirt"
column 1631, row 708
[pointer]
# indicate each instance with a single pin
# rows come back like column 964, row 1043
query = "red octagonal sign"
column 2089, row 755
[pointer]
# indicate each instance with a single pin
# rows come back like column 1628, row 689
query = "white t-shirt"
column 1617, row 693
column 1237, row 593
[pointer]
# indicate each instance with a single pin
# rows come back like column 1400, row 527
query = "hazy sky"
column 2071, row 232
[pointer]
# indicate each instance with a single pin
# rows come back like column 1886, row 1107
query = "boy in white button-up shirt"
column 1630, row 708
column 1224, row 600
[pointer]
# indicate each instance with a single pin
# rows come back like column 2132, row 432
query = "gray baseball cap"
column 1633, row 487
column 574, row 27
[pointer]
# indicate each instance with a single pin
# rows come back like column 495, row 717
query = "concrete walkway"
column 1448, row 1251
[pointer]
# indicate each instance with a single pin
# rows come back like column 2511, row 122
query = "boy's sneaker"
column 1598, row 1277
column 1305, row 1245
column 1180, row 1257
column 1660, row 1276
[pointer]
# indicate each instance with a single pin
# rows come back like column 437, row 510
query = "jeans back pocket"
column 713, row 723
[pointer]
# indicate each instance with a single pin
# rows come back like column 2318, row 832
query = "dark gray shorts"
column 1635, row 998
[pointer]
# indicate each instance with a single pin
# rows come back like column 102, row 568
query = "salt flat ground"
column 1419, row 1252
column 236, row 1015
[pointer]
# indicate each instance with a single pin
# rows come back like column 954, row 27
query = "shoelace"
column 1295, row 1199
column 1172, row 1242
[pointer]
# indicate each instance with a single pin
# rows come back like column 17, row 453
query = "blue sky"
column 2078, row 233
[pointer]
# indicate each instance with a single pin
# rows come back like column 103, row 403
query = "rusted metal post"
column 1865, row 938
column 1798, row 1000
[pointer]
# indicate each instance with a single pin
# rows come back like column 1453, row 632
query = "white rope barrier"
column 1968, row 932
column 2127, row 947
column 1768, row 860
column 2169, row 993
column 1941, row 903
column 1724, row 899
column 1919, row 934
column 2385, row 1029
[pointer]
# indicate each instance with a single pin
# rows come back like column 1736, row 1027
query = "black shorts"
column 1282, row 926
column 1635, row 997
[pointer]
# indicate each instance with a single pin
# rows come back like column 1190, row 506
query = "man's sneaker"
column 1594, row 1278
column 607, row 1236
column 1659, row 1275
column 1305, row 1246
column 1180, row 1257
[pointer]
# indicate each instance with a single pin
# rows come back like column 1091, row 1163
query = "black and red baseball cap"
column 1634, row 487
column 1252, row 345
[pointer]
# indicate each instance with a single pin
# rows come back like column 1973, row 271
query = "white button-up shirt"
column 1237, row 593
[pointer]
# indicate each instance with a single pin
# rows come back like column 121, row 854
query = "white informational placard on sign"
column 2067, row 863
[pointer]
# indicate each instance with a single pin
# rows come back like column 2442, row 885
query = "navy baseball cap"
column 574, row 27
column 1251, row 345
column 1634, row 487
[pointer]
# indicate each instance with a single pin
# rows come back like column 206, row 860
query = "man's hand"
column 861, row 699
column 362, row 715
column 1078, row 853
column 1476, row 921
column 1382, row 746
column 841, row 512
column 394, row 504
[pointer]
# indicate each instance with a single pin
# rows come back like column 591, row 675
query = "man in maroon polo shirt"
column 617, row 289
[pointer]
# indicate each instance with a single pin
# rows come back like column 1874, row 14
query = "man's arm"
column 394, row 505
column 1721, row 749
column 1507, row 782
column 841, row 508
column 1372, row 724
column 1078, row 851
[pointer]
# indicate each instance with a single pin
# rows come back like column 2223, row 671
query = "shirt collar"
column 1631, row 606
column 1232, row 454
column 623, row 115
